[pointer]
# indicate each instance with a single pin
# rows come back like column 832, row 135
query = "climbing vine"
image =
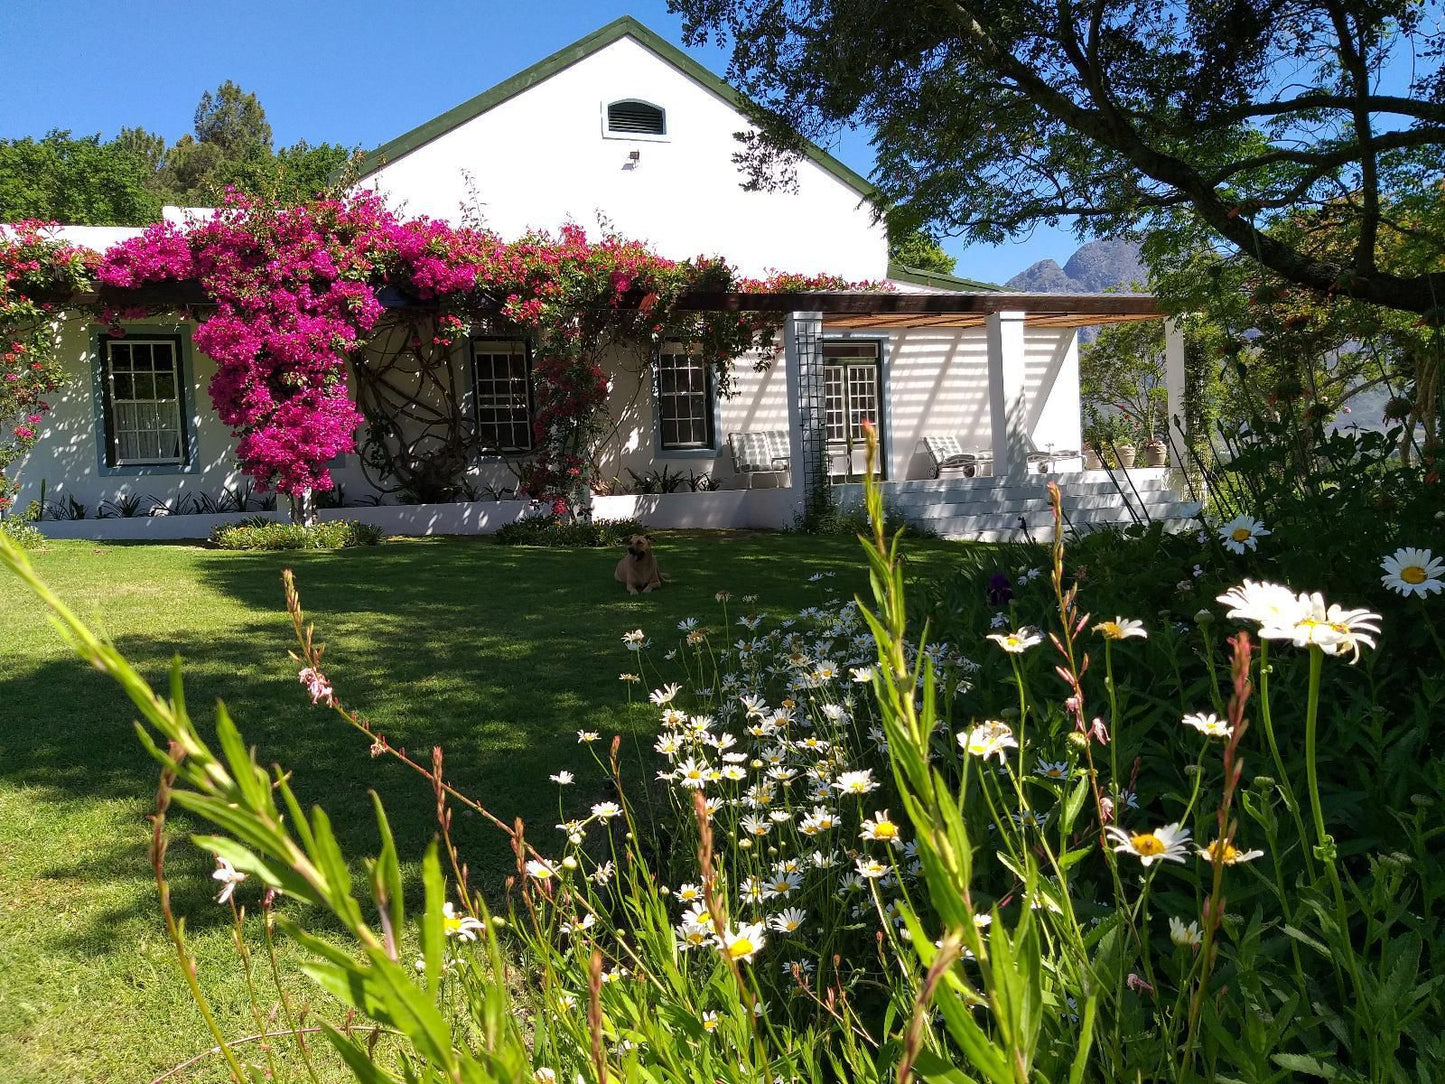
column 36, row 271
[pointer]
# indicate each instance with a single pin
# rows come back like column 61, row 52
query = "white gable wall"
column 540, row 159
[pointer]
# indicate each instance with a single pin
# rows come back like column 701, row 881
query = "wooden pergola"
column 857, row 309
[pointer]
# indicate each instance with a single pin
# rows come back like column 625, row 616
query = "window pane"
column 684, row 406
column 499, row 396
column 144, row 416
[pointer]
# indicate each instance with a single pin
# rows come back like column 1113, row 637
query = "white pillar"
column 1007, row 411
column 802, row 341
column 1174, row 378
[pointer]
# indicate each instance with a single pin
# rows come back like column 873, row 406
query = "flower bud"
column 1203, row 617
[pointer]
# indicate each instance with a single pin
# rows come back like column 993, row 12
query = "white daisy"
column 1121, row 628
column 1185, row 936
column 1165, row 843
column 229, row 877
column 1242, row 533
column 562, row 779
column 743, row 943
column 1226, row 854
column 1016, row 643
column 988, row 739
column 1410, row 571
column 1209, row 725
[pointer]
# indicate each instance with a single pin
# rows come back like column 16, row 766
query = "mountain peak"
column 1093, row 268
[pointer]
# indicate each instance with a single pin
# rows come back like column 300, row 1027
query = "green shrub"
column 262, row 534
column 22, row 533
column 549, row 530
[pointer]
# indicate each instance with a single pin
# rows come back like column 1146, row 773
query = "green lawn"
column 500, row 655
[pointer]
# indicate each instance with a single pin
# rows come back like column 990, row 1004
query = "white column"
column 1174, row 378
column 1007, row 411
column 802, row 334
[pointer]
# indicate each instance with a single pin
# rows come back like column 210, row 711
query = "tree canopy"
column 125, row 180
column 993, row 115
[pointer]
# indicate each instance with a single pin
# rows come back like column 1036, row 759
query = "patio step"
column 996, row 526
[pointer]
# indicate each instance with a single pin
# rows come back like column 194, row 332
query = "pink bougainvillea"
column 36, row 272
column 295, row 295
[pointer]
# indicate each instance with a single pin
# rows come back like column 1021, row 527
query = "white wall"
column 540, row 159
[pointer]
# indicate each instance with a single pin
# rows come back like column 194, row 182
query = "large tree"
column 993, row 115
column 64, row 179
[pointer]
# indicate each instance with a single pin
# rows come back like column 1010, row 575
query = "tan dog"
column 638, row 571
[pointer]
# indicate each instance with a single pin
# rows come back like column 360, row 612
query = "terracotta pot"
column 1126, row 454
column 1156, row 452
column 1092, row 460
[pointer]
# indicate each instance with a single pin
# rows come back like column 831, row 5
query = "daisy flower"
column 665, row 695
column 635, row 640
column 1210, row 725
column 880, row 829
column 1227, row 854
column 1410, row 571
column 756, row 826
column 1263, row 603
column 562, row 779
column 860, row 782
column 871, row 869
column 1016, row 643
column 689, row 893
column 606, row 810
column 742, row 944
column 1059, row 770
column 709, row 1021
column 1165, row 843
column 1121, row 628
column 540, row 870
column 1242, row 533
column 229, row 877
column 692, row 774
column 1333, row 629
column 631, row 679
column 988, row 739
column 783, row 885
column 585, row 736
column 1185, row 936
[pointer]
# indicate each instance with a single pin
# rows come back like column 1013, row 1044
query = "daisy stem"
column 1284, row 784
column 1113, row 722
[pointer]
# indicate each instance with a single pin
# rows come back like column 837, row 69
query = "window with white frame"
column 142, row 391
column 632, row 117
column 850, row 389
column 684, row 398
column 501, row 394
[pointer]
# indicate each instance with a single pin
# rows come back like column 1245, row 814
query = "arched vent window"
column 632, row 117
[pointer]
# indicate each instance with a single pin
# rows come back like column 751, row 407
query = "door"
column 851, row 395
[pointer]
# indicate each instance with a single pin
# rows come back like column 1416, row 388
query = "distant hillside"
column 1094, row 268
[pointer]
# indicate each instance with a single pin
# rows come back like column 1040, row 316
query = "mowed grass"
column 497, row 654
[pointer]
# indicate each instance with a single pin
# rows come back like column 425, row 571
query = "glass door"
column 851, row 395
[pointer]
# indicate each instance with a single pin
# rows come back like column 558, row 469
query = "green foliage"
column 567, row 533
column 1121, row 372
column 992, row 116
column 22, row 533
column 916, row 249
column 263, row 534
column 64, row 179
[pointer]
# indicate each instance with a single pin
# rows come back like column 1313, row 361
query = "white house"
column 625, row 129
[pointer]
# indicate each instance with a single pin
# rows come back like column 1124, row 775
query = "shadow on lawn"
column 497, row 654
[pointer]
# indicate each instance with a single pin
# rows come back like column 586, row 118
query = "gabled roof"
column 625, row 27
column 903, row 273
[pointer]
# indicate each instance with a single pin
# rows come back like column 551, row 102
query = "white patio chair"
column 950, row 460
column 759, row 453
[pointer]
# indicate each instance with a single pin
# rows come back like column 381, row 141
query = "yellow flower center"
column 885, row 830
column 451, row 925
column 1147, row 844
column 1242, row 534
column 741, row 947
column 709, row 1025
column 1223, row 852
column 1412, row 574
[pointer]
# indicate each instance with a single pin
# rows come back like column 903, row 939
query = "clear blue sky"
column 354, row 73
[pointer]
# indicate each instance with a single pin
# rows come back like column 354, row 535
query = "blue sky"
column 349, row 73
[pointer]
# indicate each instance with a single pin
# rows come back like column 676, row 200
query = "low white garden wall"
column 722, row 509
column 148, row 528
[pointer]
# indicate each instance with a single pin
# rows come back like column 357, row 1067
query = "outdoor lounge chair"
column 760, row 453
column 951, row 461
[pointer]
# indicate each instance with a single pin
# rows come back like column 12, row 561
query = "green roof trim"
column 903, row 273
column 563, row 58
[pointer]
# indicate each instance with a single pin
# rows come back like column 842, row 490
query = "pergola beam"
column 868, row 303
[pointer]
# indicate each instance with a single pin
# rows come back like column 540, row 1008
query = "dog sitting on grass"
column 638, row 571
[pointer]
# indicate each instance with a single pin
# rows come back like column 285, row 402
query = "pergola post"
column 807, row 437
column 1174, row 379
column 1007, row 410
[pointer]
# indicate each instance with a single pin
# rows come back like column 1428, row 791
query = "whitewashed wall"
column 540, row 159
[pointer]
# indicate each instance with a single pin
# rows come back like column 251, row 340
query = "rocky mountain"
column 1095, row 267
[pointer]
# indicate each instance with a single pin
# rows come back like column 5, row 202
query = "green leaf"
column 1073, row 804
column 1304, row 1063
column 931, row 1068
column 433, row 930
column 356, row 1060
column 386, row 877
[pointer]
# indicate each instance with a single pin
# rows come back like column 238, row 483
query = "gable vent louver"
column 636, row 117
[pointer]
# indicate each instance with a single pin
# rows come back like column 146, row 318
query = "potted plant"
column 1093, row 442
column 1156, row 451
